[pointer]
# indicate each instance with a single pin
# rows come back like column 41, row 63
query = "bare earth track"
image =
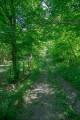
column 41, row 102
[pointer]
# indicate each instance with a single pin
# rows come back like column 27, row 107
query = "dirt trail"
column 42, row 100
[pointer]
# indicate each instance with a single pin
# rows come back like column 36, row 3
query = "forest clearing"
column 39, row 60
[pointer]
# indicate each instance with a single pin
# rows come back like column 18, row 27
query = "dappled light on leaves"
column 32, row 34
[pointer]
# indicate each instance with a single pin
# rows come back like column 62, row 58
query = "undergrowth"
column 62, row 104
column 70, row 71
column 13, row 99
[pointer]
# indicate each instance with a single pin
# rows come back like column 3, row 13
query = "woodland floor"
column 50, row 98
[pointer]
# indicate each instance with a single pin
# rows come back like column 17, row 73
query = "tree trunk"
column 14, row 44
column 14, row 60
column 23, row 68
column 29, row 61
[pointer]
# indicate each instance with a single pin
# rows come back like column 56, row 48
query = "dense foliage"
column 33, row 30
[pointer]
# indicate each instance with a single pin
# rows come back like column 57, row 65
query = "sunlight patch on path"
column 41, row 100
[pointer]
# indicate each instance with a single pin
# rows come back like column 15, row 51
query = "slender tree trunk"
column 10, row 74
column 23, row 68
column 29, row 61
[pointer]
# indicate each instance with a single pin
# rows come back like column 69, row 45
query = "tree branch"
column 70, row 23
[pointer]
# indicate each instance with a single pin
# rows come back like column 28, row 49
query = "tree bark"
column 29, row 60
column 23, row 68
column 13, row 39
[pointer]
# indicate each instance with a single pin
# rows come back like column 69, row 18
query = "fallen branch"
column 26, row 77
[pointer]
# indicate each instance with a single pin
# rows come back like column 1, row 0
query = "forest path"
column 42, row 98
column 46, row 100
